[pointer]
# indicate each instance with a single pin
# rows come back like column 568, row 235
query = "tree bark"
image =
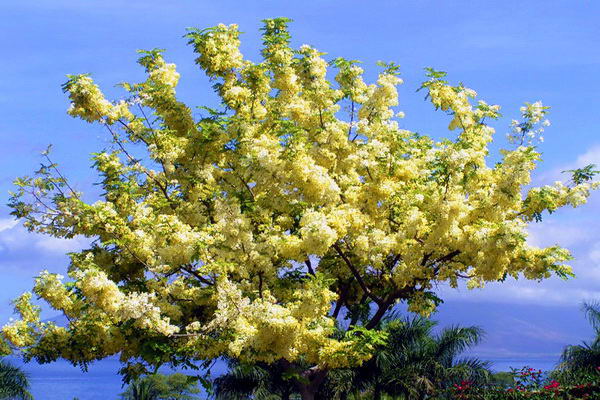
column 381, row 310
column 313, row 378
column 307, row 394
column 377, row 392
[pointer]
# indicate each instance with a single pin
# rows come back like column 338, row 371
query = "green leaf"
column 581, row 175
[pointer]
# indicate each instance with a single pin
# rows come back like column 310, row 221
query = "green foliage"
column 148, row 57
column 435, row 77
column 585, row 357
column 552, row 390
column 14, row 383
column 409, row 362
column 72, row 80
column 526, row 383
column 503, row 379
column 257, row 381
column 488, row 110
column 582, row 175
column 162, row 387
column 366, row 338
column 415, row 363
column 342, row 63
column 275, row 31
column 389, row 68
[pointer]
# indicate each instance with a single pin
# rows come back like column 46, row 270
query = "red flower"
column 553, row 385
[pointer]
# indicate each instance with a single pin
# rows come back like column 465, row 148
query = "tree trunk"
column 307, row 393
column 377, row 392
column 312, row 380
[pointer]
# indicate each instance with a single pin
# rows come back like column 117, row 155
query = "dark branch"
column 189, row 269
column 341, row 300
column 309, row 266
column 387, row 303
column 447, row 257
column 360, row 280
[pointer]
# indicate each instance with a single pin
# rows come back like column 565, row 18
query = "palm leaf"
column 14, row 383
column 592, row 312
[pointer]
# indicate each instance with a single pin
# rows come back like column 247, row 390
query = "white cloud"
column 591, row 156
column 595, row 253
column 7, row 223
column 13, row 237
column 549, row 292
column 549, row 233
column 62, row 246
column 16, row 242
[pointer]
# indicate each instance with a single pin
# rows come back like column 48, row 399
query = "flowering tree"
column 250, row 231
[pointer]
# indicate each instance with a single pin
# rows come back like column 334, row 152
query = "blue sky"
column 509, row 52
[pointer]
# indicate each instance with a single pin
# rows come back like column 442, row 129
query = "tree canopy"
column 250, row 229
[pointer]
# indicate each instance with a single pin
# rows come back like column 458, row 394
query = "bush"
column 529, row 383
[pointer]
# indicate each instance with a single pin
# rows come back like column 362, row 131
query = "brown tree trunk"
column 307, row 394
column 312, row 380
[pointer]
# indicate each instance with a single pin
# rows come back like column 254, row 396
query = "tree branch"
column 360, row 280
column 134, row 161
column 260, row 285
column 189, row 270
column 394, row 261
column 378, row 316
column 385, row 305
column 309, row 266
column 64, row 180
column 447, row 257
column 341, row 300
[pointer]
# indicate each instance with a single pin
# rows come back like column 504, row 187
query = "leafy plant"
column 162, row 387
column 14, row 383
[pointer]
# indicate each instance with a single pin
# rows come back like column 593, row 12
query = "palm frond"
column 592, row 312
column 455, row 340
column 473, row 369
column 585, row 356
column 14, row 383
column 251, row 381
column 580, row 357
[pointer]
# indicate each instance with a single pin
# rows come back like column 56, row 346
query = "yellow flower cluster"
column 89, row 104
column 249, row 231
column 217, row 49
column 51, row 288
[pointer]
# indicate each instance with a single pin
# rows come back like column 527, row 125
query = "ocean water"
column 61, row 381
